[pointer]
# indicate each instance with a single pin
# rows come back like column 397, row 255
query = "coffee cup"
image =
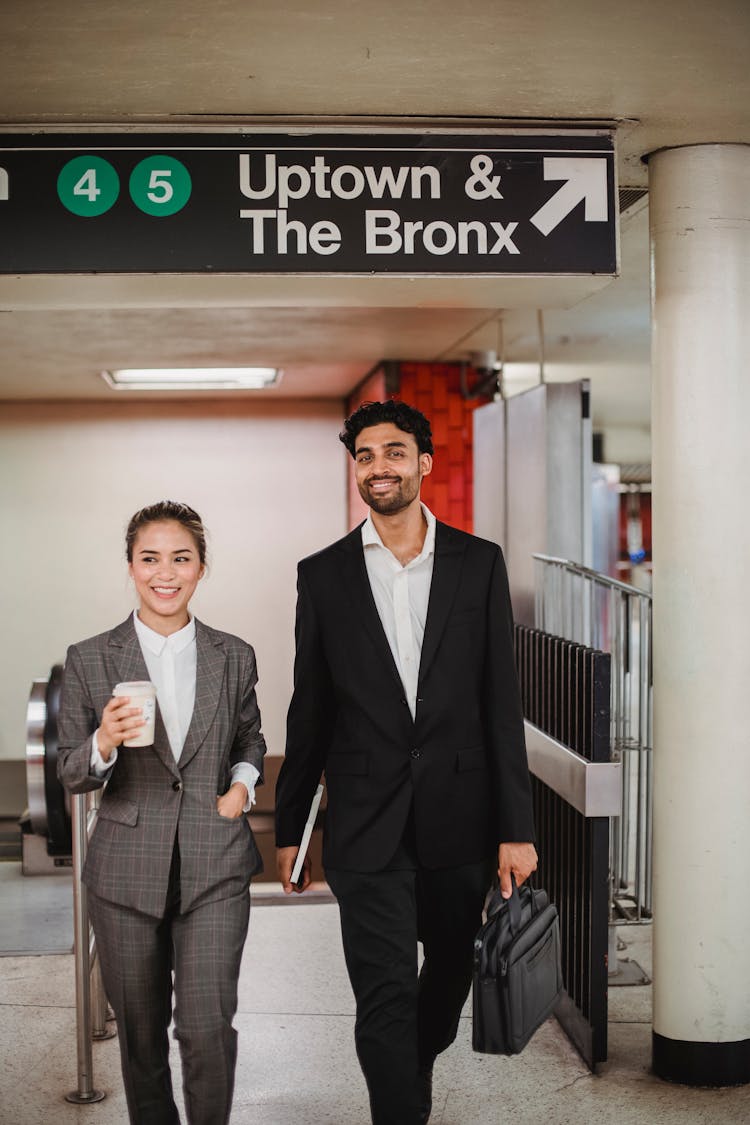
column 142, row 693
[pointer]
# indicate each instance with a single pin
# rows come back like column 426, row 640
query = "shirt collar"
column 156, row 643
column 370, row 537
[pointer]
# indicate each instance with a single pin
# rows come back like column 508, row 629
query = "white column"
column 700, row 265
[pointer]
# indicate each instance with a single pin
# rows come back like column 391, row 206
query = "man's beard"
column 396, row 500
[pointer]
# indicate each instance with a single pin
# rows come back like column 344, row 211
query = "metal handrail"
column 584, row 606
column 595, row 575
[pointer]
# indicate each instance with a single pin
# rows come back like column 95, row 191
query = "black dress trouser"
column 405, row 1018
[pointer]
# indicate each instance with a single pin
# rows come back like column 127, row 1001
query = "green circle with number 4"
column 88, row 186
column 160, row 185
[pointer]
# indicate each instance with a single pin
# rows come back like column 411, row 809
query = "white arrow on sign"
column 587, row 179
column 4, row 192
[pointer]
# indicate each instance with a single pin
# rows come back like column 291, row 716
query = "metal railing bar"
column 566, row 695
column 595, row 575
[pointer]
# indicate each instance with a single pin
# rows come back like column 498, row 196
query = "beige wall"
column 269, row 482
column 627, row 444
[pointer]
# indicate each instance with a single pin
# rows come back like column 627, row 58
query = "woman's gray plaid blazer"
column 150, row 800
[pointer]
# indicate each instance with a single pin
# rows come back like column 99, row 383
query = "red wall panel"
column 435, row 389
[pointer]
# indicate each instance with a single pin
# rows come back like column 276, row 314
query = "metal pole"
column 85, row 1092
column 641, row 877
column 99, row 1006
column 100, row 1012
column 649, row 743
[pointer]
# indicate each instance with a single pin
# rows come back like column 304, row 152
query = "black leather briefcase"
column 517, row 973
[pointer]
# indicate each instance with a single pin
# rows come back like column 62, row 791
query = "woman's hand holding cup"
column 120, row 723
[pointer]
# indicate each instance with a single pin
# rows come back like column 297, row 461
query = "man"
column 405, row 694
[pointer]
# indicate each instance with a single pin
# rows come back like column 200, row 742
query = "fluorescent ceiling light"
column 192, row 378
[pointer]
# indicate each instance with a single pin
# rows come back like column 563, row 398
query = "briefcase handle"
column 514, row 904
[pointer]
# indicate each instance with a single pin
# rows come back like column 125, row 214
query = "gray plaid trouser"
column 139, row 956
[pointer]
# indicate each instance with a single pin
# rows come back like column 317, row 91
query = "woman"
column 169, row 863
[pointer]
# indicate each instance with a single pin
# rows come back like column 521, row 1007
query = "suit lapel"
column 446, row 575
column 208, row 680
column 132, row 666
column 363, row 602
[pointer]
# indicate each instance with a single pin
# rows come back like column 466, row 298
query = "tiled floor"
column 37, row 912
column 297, row 1064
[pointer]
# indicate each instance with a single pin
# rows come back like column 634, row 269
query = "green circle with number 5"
column 88, row 186
column 160, row 185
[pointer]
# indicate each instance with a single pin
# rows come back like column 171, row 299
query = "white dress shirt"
column 401, row 595
column 172, row 665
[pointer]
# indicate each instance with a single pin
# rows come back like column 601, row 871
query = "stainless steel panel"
column 593, row 788
column 565, row 485
column 548, row 483
column 36, row 718
column 489, row 472
column 526, row 495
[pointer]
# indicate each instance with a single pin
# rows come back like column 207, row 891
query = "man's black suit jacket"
column 462, row 761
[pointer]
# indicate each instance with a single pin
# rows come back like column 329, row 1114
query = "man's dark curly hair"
column 407, row 418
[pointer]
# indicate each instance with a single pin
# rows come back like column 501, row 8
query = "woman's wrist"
column 244, row 789
column 104, row 748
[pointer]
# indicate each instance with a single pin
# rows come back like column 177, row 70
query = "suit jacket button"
column 177, row 786
column 416, row 753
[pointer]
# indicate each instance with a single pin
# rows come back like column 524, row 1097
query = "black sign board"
column 519, row 204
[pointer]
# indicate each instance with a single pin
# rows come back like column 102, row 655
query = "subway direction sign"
column 518, row 204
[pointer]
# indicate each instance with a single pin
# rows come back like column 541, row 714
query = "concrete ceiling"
column 664, row 72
